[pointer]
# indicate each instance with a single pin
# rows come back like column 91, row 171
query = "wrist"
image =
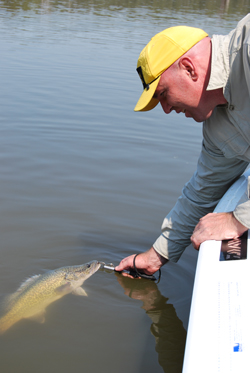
column 155, row 260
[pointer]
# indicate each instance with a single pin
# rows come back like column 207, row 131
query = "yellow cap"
column 160, row 53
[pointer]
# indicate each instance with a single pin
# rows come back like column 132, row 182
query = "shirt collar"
column 219, row 62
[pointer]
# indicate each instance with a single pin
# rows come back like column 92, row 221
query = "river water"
column 83, row 177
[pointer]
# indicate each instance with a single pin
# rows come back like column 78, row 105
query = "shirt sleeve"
column 214, row 175
column 242, row 213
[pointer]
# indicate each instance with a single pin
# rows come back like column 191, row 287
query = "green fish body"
column 37, row 292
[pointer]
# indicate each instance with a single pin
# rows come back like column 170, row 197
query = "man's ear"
column 187, row 66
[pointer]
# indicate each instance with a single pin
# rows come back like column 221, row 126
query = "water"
column 83, row 177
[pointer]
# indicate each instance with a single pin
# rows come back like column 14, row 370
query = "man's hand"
column 149, row 262
column 217, row 226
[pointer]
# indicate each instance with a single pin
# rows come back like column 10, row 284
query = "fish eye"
column 88, row 265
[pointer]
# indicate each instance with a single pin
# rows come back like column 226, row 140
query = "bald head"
column 196, row 61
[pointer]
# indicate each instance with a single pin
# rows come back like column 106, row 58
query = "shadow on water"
column 167, row 328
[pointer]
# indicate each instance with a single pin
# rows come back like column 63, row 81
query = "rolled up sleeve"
column 242, row 214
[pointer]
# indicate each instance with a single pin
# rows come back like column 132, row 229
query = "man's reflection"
column 167, row 328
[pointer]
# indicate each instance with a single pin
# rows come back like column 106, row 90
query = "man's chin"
column 198, row 120
column 201, row 118
column 195, row 117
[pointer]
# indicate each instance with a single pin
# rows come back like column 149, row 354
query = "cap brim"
column 146, row 101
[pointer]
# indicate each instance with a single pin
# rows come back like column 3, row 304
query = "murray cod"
column 37, row 292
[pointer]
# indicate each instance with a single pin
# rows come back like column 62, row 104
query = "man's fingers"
column 195, row 243
column 125, row 263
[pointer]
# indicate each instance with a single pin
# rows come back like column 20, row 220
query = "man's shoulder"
column 241, row 34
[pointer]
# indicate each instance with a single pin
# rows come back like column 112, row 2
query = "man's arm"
column 214, row 175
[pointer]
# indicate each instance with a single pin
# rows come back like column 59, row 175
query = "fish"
column 35, row 294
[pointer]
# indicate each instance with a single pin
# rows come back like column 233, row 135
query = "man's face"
column 178, row 90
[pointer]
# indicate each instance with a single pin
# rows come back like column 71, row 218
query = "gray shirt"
column 225, row 150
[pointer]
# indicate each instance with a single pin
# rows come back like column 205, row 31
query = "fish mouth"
column 94, row 266
column 98, row 265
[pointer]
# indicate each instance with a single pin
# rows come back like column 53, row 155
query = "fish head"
column 83, row 271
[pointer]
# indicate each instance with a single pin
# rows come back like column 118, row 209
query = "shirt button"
column 231, row 107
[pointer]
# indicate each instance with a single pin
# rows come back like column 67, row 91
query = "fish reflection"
column 167, row 328
column 37, row 292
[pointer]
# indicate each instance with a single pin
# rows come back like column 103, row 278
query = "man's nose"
column 166, row 108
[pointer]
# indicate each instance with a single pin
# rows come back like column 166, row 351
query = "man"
column 208, row 80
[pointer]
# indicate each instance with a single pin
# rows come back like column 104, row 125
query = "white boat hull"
column 218, row 338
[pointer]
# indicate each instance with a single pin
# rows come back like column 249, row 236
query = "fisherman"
column 207, row 79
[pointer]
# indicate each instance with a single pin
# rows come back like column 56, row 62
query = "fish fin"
column 64, row 289
column 38, row 317
column 27, row 283
column 80, row 291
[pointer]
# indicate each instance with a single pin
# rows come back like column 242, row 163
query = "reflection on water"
column 155, row 8
column 83, row 177
column 167, row 328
